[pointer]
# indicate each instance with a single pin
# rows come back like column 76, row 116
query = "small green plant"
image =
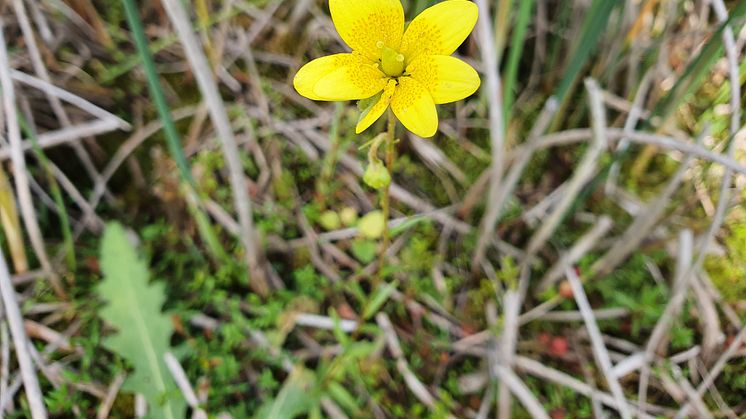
column 143, row 331
column 728, row 271
column 400, row 71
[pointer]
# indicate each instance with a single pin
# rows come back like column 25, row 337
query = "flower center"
column 392, row 62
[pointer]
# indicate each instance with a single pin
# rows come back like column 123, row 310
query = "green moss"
column 728, row 272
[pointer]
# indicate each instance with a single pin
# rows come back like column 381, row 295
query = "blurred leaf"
column 514, row 56
column 698, row 68
column 345, row 399
column 297, row 397
column 134, row 308
column 380, row 297
column 594, row 25
column 406, row 225
column 364, row 250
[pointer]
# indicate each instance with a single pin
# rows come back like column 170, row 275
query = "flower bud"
column 376, row 175
column 348, row 215
column 329, row 220
column 371, row 226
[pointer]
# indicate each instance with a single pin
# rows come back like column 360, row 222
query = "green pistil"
column 392, row 62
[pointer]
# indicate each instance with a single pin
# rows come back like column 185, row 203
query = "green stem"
column 386, row 199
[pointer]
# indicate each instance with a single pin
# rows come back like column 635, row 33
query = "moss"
column 728, row 272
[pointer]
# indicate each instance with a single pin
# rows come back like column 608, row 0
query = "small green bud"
column 372, row 225
column 329, row 220
column 376, row 175
column 348, row 215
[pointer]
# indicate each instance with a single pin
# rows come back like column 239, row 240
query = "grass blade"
column 172, row 136
column 514, row 57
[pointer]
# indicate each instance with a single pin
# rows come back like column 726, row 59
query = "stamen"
column 379, row 44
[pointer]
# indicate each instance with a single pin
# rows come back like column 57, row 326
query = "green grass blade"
column 514, row 57
column 696, row 71
column 169, row 128
column 590, row 35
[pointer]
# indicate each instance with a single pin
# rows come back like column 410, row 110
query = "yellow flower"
column 411, row 71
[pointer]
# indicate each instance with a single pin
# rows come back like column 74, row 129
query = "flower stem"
column 386, row 199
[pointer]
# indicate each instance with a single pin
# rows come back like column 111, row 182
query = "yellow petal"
column 307, row 77
column 372, row 114
column 351, row 82
column 439, row 29
column 339, row 77
column 447, row 78
column 368, row 25
column 414, row 107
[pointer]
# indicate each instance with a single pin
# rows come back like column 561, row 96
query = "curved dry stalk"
column 636, row 232
column 56, row 104
column 735, row 121
column 599, row 348
column 658, row 337
column 219, row 116
column 572, row 136
column 18, row 333
column 413, row 383
column 497, row 131
column 577, row 251
column 19, row 166
column 521, row 392
column 583, row 172
column 715, row 370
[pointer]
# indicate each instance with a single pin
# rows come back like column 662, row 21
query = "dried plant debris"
column 568, row 242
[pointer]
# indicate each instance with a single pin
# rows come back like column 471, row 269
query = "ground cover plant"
column 191, row 228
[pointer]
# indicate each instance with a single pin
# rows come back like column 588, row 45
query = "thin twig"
column 637, row 231
column 324, row 322
column 178, row 374
column 64, row 136
column 111, row 396
column 497, row 131
column 4, row 361
column 599, row 349
column 413, row 383
column 75, row 100
column 536, row 368
column 657, row 336
column 715, row 370
column 21, row 180
column 585, row 170
column 54, row 101
column 578, row 250
column 17, row 331
column 572, row 136
column 219, row 116
column 735, row 122
column 519, row 389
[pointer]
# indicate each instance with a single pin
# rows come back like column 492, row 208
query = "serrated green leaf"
column 143, row 331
